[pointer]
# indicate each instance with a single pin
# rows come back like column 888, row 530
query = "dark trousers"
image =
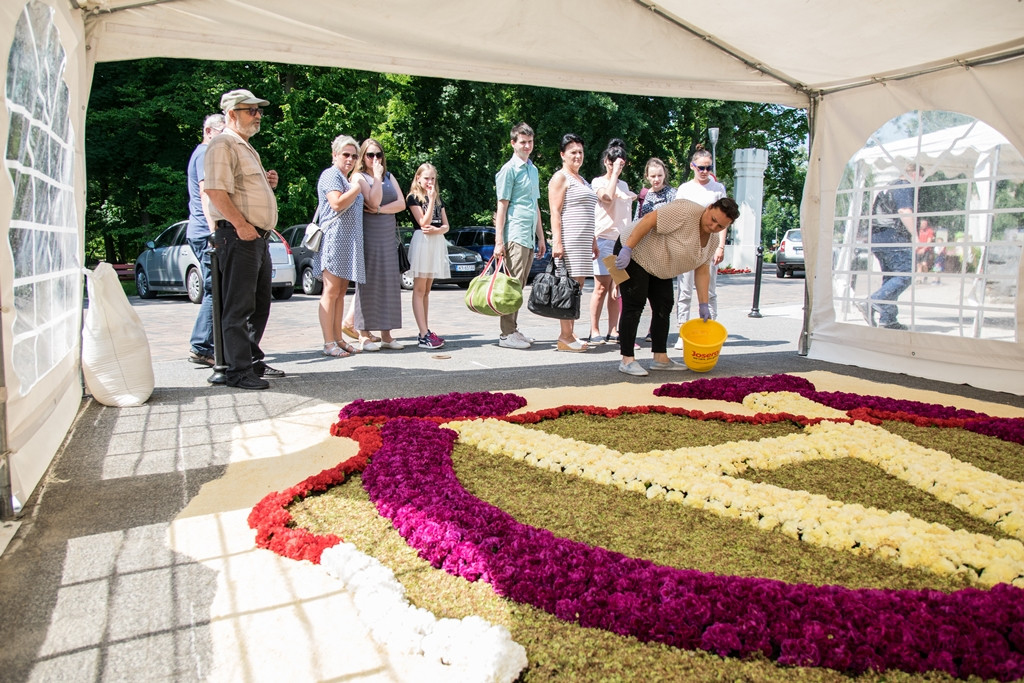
column 202, row 330
column 245, row 270
column 635, row 293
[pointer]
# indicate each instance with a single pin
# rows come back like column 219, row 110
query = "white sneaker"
column 679, row 344
column 522, row 337
column 633, row 368
column 513, row 342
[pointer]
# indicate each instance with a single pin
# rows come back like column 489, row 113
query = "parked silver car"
column 169, row 265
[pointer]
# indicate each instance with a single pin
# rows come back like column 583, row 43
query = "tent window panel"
column 929, row 222
column 39, row 157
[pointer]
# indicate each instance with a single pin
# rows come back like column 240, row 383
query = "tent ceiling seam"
column 96, row 7
column 954, row 63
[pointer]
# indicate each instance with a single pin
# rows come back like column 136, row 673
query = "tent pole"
column 804, row 344
column 7, row 511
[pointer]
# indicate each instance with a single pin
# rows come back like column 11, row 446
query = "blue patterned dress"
column 341, row 252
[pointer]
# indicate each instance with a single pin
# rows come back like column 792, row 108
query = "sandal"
column 349, row 332
column 333, row 350
column 348, row 348
column 575, row 346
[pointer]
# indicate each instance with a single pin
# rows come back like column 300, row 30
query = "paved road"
column 293, row 337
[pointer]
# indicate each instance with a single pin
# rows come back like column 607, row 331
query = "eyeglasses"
column 349, row 155
column 702, row 168
column 379, row 155
column 253, row 111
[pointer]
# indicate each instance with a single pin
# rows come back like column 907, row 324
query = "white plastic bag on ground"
column 116, row 363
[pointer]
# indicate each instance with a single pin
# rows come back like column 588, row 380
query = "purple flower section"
column 453, row 405
column 969, row 632
column 734, row 389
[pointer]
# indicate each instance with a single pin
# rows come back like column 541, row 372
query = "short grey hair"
column 214, row 122
column 341, row 142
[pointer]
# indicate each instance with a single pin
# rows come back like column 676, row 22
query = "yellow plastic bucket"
column 702, row 341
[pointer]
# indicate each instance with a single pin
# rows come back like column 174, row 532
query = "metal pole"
column 713, row 136
column 754, row 312
column 7, row 509
column 218, row 376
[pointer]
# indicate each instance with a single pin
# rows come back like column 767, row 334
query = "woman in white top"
column 705, row 190
column 614, row 206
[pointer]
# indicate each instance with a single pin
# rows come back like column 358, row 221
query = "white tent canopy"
column 853, row 65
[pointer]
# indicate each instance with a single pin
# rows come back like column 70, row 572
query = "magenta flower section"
column 451, row 406
column 734, row 389
column 969, row 632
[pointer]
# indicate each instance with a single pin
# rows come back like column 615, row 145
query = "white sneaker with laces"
column 522, row 337
column 513, row 342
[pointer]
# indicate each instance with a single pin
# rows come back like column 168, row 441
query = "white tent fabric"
column 854, row 65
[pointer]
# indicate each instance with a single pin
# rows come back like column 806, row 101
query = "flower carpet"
column 406, row 468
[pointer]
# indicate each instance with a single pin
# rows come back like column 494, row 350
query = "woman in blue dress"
column 340, row 259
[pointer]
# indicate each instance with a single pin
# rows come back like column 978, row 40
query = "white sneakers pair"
column 516, row 340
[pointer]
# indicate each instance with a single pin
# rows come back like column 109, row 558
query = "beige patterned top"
column 234, row 166
column 673, row 246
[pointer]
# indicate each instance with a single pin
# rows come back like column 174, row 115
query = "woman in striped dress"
column 572, row 203
column 378, row 302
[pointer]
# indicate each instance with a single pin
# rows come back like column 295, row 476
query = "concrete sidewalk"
column 134, row 560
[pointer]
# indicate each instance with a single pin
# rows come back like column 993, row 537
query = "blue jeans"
column 245, row 297
column 202, row 330
column 897, row 263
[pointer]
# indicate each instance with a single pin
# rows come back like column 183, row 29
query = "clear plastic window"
column 929, row 229
column 43, row 236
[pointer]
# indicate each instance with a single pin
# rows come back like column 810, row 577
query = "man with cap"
column 243, row 205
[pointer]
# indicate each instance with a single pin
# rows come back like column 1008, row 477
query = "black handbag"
column 555, row 294
column 403, row 256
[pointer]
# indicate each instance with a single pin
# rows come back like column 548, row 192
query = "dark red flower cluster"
column 453, row 405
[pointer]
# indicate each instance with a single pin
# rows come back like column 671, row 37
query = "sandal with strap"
column 333, row 350
column 348, row 348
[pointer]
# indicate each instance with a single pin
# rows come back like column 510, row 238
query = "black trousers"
column 245, row 272
column 640, row 288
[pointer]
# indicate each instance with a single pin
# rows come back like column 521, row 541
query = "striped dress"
column 578, row 226
column 378, row 301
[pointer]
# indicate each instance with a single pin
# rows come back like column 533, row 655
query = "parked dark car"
column 465, row 264
column 305, row 276
column 480, row 238
column 169, row 265
column 789, row 258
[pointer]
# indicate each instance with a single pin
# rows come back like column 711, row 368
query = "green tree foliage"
column 145, row 118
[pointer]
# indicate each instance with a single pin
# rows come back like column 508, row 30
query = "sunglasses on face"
column 702, row 168
column 253, row 111
column 349, row 155
column 371, row 155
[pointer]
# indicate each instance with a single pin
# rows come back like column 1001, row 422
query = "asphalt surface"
column 91, row 588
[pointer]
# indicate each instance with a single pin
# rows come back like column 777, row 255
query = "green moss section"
column 667, row 533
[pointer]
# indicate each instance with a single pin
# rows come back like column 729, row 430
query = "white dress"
column 428, row 254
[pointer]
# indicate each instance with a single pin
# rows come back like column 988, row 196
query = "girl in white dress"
column 428, row 251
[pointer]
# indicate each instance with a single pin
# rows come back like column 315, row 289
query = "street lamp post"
column 713, row 136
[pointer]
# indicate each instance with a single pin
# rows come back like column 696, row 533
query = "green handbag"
column 494, row 293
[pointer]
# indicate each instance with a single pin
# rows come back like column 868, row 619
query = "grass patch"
column 666, row 533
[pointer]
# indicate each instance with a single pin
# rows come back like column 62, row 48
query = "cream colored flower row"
column 698, row 477
column 982, row 494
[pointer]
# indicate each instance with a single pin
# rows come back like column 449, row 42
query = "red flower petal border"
column 411, row 480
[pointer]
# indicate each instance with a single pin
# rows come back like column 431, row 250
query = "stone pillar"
column 748, row 171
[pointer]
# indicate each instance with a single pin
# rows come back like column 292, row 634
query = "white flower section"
column 788, row 402
column 698, row 477
column 473, row 649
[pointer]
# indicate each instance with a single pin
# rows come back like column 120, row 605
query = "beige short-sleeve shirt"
column 673, row 247
column 234, row 166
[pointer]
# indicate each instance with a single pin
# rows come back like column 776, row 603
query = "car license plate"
column 465, row 269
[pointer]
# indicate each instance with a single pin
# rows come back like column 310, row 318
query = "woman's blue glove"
column 705, row 312
column 623, row 258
